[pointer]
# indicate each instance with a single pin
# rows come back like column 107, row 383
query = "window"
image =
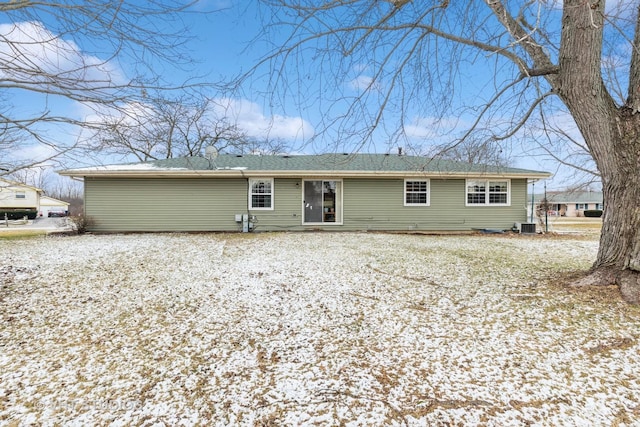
column 580, row 206
column 21, row 195
column 498, row 192
column 487, row 193
column 599, row 206
column 416, row 193
column 476, row 192
column 261, row 194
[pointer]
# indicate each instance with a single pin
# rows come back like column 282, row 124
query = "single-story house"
column 49, row 204
column 303, row 192
column 15, row 196
column 572, row 203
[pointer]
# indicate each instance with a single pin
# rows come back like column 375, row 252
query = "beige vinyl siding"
column 379, row 205
column 287, row 207
column 30, row 198
column 164, row 204
column 209, row 204
column 287, row 214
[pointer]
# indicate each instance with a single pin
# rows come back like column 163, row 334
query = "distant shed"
column 48, row 204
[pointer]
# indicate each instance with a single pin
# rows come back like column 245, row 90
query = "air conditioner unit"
column 526, row 228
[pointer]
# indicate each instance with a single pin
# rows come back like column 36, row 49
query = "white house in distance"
column 15, row 196
column 572, row 203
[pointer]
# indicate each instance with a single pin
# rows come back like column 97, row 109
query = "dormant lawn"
column 312, row 329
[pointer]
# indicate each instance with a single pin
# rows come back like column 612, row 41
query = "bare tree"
column 54, row 55
column 52, row 184
column 265, row 146
column 472, row 151
column 163, row 128
column 490, row 65
column 557, row 138
column 36, row 176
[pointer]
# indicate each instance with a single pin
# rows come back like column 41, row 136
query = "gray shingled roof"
column 333, row 162
column 273, row 165
column 571, row 197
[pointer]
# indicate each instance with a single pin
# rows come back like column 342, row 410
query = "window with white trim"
column 581, row 206
column 261, row 193
column 21, row 195
column 488, row 192
column 498, row 192
column 416, row 192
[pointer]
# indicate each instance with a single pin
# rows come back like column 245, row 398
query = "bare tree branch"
column 459, row 71
column 55, row 53
column 163, row 128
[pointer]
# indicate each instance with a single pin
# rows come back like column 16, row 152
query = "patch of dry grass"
column 579, row 225
column 12, row 234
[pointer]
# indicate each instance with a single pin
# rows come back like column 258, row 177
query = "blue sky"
column 223, row 45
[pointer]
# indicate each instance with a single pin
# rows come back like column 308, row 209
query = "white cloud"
column 431, row 127
column 33, row 152
column 246, row 115
column 250, row 118
column 32, row 54
column 363, row 83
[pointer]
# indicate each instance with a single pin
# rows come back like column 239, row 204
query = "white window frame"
column 21, row 194
column 253, row 181
column 428, row 191
column 487, row 192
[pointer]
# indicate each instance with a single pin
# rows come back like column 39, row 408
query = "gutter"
column 245, row 174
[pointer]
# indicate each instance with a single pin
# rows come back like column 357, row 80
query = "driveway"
column 52, row 224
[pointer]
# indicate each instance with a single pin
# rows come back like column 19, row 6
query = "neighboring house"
column 15, row 196
column 572, row 203
column 306, row 192
column 49, row 204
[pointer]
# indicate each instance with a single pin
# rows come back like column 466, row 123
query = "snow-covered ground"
column 311, row 329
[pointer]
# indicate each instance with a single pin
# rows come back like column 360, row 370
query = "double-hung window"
column 261, row 193
column 488, row 192
column 416, row 192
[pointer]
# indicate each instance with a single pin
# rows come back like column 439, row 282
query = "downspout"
column 533, row 191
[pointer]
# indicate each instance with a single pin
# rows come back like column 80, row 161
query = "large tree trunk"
column 620, row 238
column 612, row 134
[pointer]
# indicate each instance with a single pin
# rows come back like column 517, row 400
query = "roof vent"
column 238, row 155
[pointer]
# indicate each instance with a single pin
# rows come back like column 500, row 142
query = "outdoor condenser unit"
column 526, row 228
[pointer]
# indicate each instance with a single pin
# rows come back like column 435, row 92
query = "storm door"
column 322, row 202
